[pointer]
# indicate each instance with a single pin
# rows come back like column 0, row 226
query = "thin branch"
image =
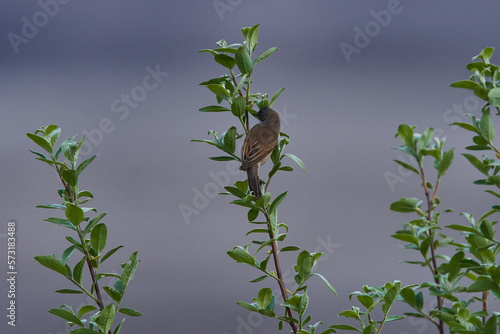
column 485, row 305
column 430, row 200
column 274, row 247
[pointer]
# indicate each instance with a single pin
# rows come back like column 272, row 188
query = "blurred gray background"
column 353, row 71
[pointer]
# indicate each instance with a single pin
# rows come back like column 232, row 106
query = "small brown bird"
column 258, row 146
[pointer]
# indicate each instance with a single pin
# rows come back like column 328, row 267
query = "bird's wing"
column 253, row 152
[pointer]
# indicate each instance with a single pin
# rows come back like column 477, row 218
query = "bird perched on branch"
column 258, row 146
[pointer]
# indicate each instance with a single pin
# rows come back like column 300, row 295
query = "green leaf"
column 69, row 148
column 289, row 248
column 425, row 245
column 93, row 223
column 258, row 279
column 242, row 256
column 85, row 193
column 390, row 318
column 304, row 265
column 101, row 275
column 52, row 162
column 52, row 133
column 74, row 214
column 482, row 285
column 115, row 295
column 130, row 312
column 332, row 289
column 84, row 164
column 494, row 97
column 348, row 314
column 297, row 160
column 491, row 325
column 484, row 55
column 61, row 222
column 52, row 206
column 105, row 319
column 229, row 49
column 409, row 297
column 467, row 84
column 478, row 148
column 243, row 61
column 66, row 315
column 405, row 132
column 477, row 163
column 86, row 309
column 242, row 202
column 406, row 237
column 119, row 286
column 343, row 327
column 98, row 237
column 266, row 54
column 253, row 214
column 275, row 96
column 493, row 179
column 445, row 163
column 70, row 176
column 40, row 141
column 109, row 253
column 276, row 202
column 486, row 126
column 406, row 205
column 83, row 330
column 239, row 106
column 263, row 201
column 481, row 92
column 248, row 306
column 258, row 230
column 208, row 50
column 69, row 291
column 230, row 140
column 67, row 253
column 117, row 329
column 219, row 91
column 214, row 109
column 462, row 228
column 225, row 60
column 78, row 271
column 264, row 297
column 365, row 300
column 390, row 297
column 407, row 166
column 223, row 158
column 129, row 269
column 466, row 126
column 487, row 229
column 40, row 155
column 370, row 328
column 454, row 266
column 251, row 37
column 304, row 302
column 51, row 262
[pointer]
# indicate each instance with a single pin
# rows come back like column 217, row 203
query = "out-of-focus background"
column 353, row 71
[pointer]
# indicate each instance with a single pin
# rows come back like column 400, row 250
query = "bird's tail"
column 254, row 181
